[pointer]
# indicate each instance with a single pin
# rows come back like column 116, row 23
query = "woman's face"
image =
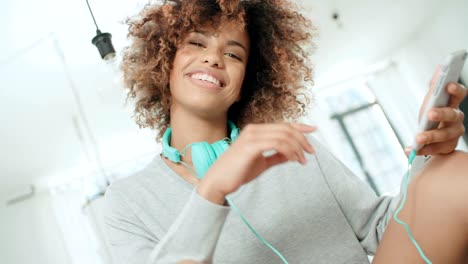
column 208, row 70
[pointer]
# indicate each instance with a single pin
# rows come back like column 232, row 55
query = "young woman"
column 198, row 69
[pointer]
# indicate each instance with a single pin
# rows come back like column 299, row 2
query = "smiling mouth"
column 207, row 78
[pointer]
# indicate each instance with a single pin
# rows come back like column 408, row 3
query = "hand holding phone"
column 449, row 72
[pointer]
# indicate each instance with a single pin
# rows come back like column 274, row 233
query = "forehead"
column 231, row 29
column 230, row 25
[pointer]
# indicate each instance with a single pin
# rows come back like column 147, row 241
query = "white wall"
column 95, row 213
column 80, row 239
column 419, row 56
column 50, row 229
column 58, row 226
column 29, row 233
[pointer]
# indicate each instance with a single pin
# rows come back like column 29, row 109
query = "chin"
column 208, row 111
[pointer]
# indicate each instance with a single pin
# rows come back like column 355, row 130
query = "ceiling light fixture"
column 336, row 17
column 102, row 41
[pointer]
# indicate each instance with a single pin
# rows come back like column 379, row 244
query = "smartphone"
column 450, row 72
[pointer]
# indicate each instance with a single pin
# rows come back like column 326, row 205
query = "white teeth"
column 206, row 77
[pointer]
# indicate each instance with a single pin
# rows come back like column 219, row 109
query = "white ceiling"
column 38, row 139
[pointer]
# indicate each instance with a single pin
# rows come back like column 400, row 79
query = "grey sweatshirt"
column 317, row 213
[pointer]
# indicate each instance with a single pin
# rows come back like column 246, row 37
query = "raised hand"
column 444, row 139
column 245, row 159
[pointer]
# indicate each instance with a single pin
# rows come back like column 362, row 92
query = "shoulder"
column 136, row 184
column 329, row 164
column 317, row 144
column 321, row 150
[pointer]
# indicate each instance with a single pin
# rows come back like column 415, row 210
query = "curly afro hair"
column 273, row 89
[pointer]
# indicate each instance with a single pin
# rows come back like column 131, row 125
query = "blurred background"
column 66, row 131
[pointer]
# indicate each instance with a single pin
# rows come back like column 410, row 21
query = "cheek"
column 182, row 58
column 239, row 75
column 176, row 74
column 178, row 66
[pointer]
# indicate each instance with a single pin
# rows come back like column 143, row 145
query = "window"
column 366, row 140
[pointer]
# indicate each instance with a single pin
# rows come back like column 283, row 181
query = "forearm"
column 194, row 234
column 206, row 190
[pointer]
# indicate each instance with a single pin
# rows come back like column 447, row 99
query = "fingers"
column 439, row 148
column 445, row 114
column 451, row 113
column 186, row 261
column 303, row 127
column 276, row 159
column 444, row 139
column 293, row 131
column 298, row 133
column 287, row 140
column 440, row 135
column 458, row 93
column 292, row 144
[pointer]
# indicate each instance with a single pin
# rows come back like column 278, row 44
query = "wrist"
column 210, row 193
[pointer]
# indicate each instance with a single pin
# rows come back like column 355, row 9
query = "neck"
column 187, row 128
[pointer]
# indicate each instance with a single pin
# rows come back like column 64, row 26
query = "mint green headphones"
column 203, row 154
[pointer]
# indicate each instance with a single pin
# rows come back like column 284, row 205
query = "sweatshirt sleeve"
column 366, row 213
column 193, row 235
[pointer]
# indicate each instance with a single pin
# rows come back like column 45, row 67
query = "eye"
column 232, row 55
column 198, row 44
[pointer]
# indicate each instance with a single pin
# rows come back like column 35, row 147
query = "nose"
column 213, row 58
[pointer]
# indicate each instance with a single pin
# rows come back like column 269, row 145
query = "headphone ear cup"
column 234, row 130
column 219, row 147
column 203, row 156
column 169, row 152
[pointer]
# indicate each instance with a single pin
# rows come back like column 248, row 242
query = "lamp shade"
column 104, row 44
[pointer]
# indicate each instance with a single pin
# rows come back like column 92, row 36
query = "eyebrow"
column 229, row 43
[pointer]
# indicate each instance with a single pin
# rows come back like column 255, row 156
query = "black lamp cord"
column 97, row 28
